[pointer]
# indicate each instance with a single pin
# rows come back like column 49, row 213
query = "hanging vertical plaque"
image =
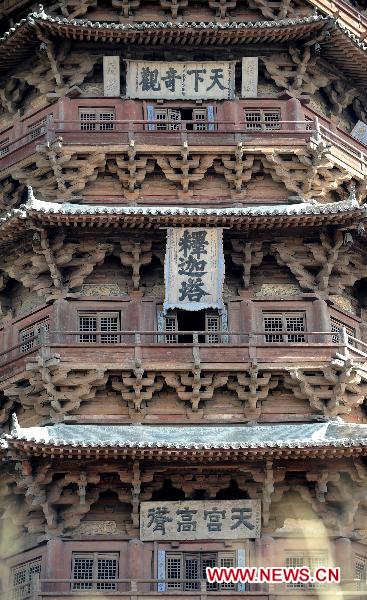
column 250, row 70
column 194, row 268
column 111, row 75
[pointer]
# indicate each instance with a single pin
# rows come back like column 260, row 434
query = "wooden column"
column 321, row 319
column 55, row 567
column 294, row 111
column 343, row 558
column 138, row 562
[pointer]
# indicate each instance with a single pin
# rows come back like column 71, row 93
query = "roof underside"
column 344, row 50
column 290, row 440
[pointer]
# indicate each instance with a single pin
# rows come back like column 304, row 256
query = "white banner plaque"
column 194, row 268
column 359, row 132
column 200, row 520
column 179, row 80
column 111, row 75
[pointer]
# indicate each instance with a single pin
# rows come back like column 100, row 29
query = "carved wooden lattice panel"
column 257, row 119
column 95, row 566
column 21, row 578
column 336, row 325
column 29, row 335
column 275, row 323
column 90, row 117
column 311, row 560
column 99, row 321
column 360, row 571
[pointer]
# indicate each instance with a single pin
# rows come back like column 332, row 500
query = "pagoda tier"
column 183, row 297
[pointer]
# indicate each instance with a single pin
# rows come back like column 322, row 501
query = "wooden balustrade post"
column 35, row 586
column 195, row 348
column 131, row 131
column 343, row 342
column 50, row 128
column 133, row 590
column 203, row 590
column 317, row 130
column 252, row 350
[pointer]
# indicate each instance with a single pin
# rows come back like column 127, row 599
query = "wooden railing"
column 220, row 132
column 134, row 340
column 185, row 589
column 342, row 147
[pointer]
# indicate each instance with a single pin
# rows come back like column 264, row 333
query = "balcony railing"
column 344, row 150
column 144, row 131
column 186, row 346
column 149, row 589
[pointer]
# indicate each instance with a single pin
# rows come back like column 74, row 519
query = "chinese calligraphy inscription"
column 111, row 75
column 194, row 268
column 194, row 520
column 250, row 70
column 359, row 132
column 179, row 80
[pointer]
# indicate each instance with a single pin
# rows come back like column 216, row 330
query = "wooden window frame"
column 272, row 337
column 37, row 129
column 201, row 556
column 91, row 125
column 95, row 557
column 360, row 560
column 4, row 147
column 19, row 593
column 336, row 324
column 312, row 560
column 32, row 330
column 103, row 338
column 262, row 124
column 174, row 113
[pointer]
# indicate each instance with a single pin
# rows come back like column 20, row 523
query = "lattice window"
column 309, row 123
column 209, row 560
column 258, row 119
column 336, row 325
column 360, row 572
column 164, row 115
column 212, row 323
column 174, row 570
column 89, row 119
column 275, row 323
column 199, row 115
column 29, row 336
column 37, row 129
column 21, row 578
column 95, row 565
column 4, row 147
column 192, row 570
column 312, row 561
column 295, row 322
column 192, row 565
column 99, row 321
column 170, row 324
column 227, row 560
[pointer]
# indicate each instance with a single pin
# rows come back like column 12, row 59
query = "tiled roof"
column 261, row 217
column 22, row 37
column 331, row 434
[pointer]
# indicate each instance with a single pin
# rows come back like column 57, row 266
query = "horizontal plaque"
column 200, row 520
column 180, row 80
